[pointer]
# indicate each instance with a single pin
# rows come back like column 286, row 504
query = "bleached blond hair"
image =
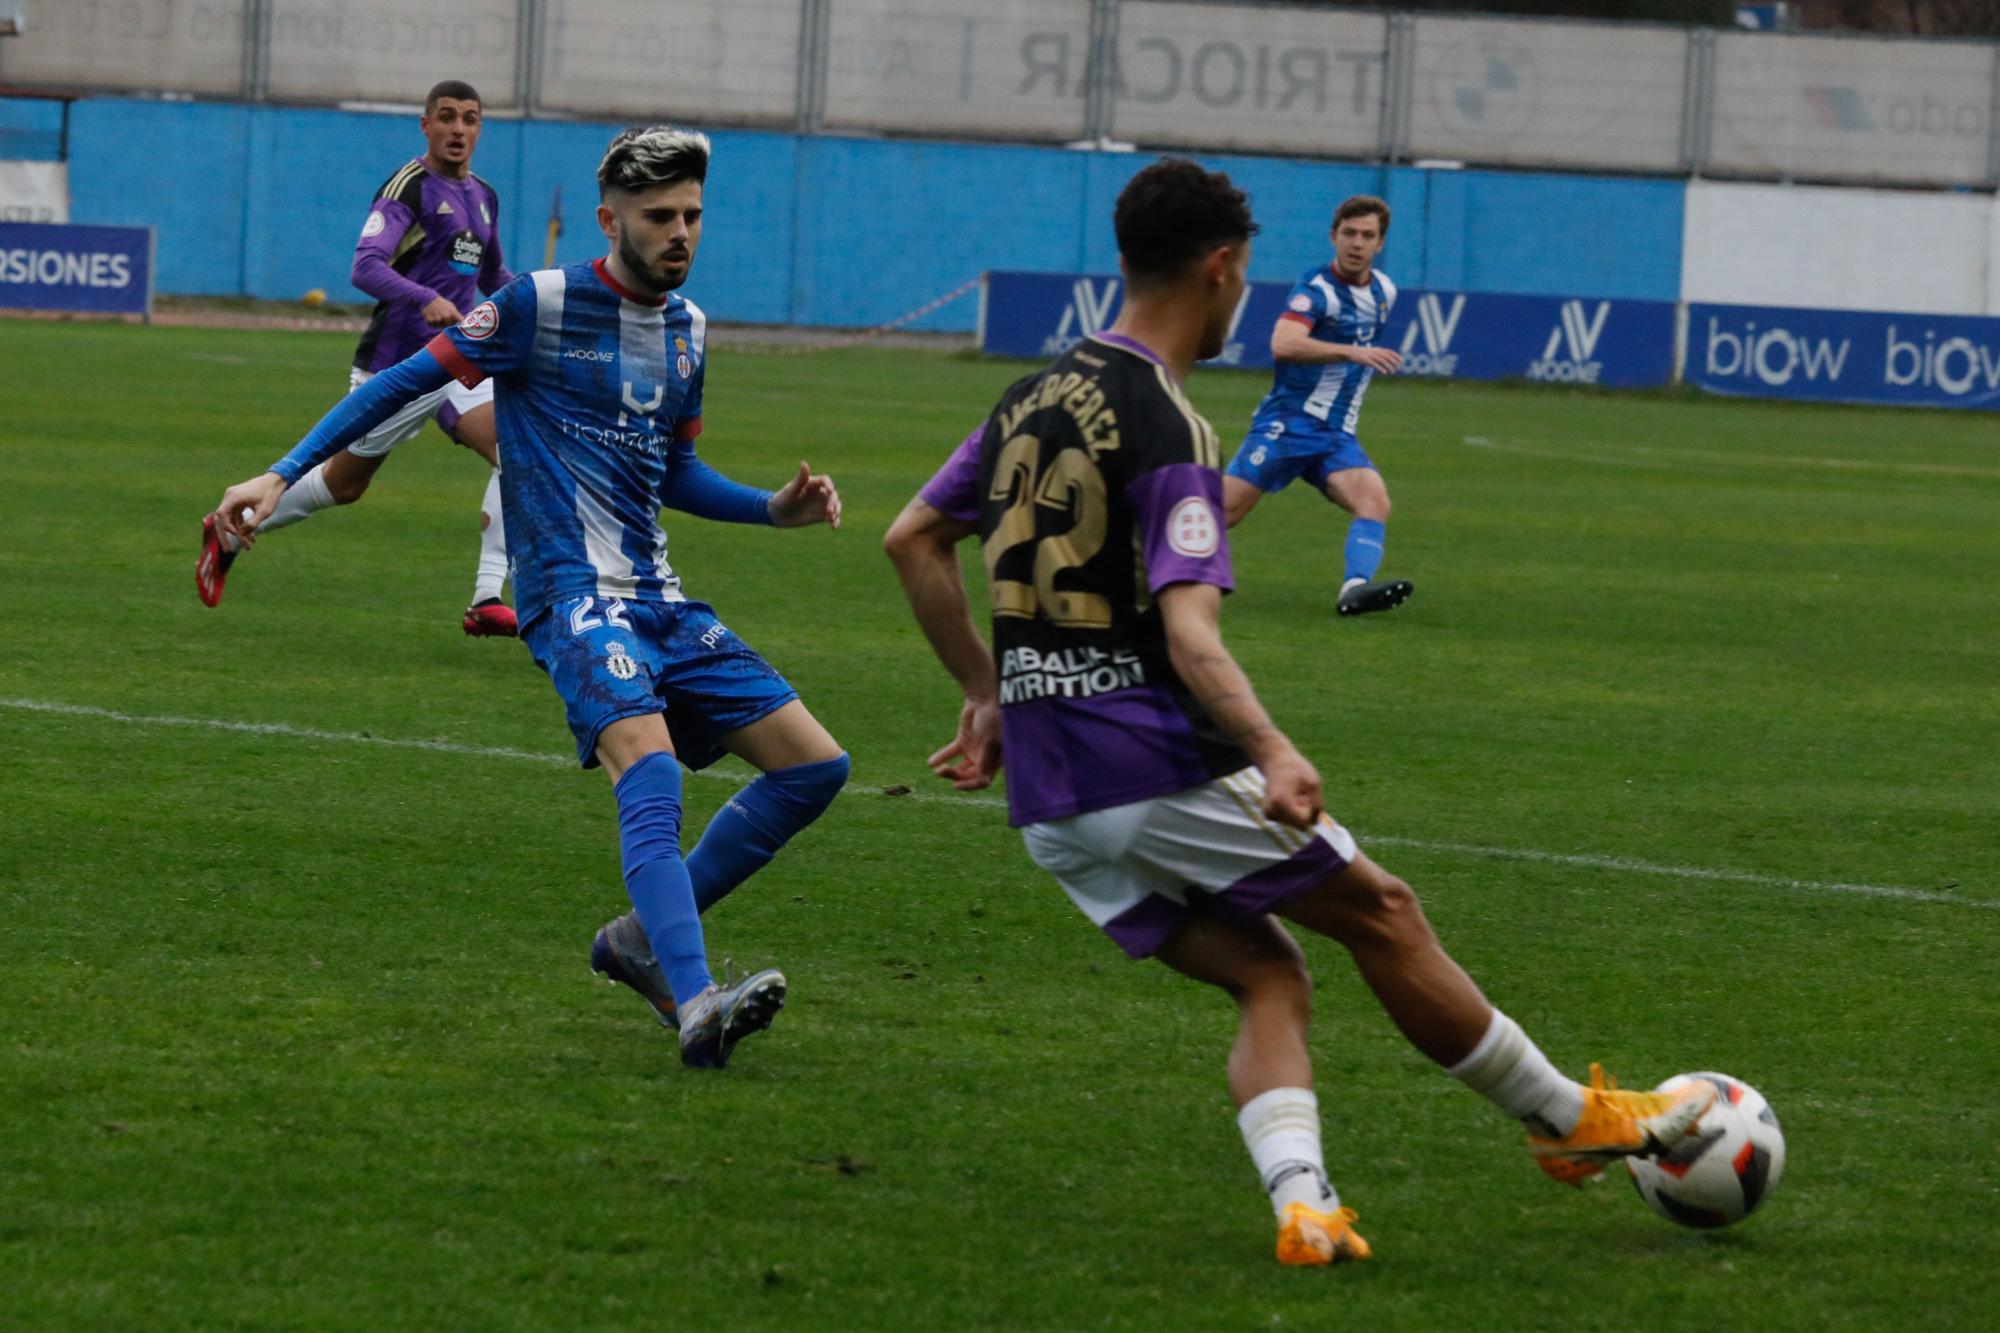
column 646, row 156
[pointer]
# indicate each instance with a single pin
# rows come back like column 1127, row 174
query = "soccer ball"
column 1722, row 1171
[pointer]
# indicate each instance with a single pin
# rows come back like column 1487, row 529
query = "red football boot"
column 211, row 567
column 490, row 619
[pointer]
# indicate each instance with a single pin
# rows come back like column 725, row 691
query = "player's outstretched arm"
column 351, row 418
column 922, row 543
column 1290, row 341
column 1192, row 613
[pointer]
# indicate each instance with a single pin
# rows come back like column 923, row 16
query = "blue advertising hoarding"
column 1448, row 335
column 99, row 270
column 1845, row 356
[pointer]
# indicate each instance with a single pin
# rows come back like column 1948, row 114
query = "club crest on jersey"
column 482, row 322
column 374, row 225
column 683, row 365
column 619, row 663
column 1192, row 530
column 1301, row 303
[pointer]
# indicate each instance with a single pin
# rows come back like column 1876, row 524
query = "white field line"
column 1649, row 456
column 1623, row 865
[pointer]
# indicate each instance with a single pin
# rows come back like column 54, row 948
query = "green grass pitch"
column 1690, row 739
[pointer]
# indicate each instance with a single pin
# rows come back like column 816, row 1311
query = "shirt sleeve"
column 1305, row 305
column 362, row 411
column 495, row 338
column 1176, row 495
column 688, row 424
column 373, row 272
column 693, row 487
column 493, row 271
column 953, row 489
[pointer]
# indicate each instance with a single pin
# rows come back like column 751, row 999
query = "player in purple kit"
column 1144, row 773
column 430, row 245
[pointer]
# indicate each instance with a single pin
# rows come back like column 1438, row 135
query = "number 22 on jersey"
column 1061, row 509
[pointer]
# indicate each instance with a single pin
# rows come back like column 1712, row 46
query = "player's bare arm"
column 1291, row 342
column 809, row 497
column 922, row 543
column 1192, row 615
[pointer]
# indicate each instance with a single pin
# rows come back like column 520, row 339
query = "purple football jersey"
column 1094, row 484
column 426, row 236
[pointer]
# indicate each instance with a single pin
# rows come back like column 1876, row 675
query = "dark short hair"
column 1174, row 212
column 646, row 156
column 456, row 89
column 1361, row 206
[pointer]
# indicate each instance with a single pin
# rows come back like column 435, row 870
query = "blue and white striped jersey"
column 1337, row 312
column 597, row 393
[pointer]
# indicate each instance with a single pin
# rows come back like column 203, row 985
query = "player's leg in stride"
column 467, row 416
column 638, row 756
column 803, row 769
column 1573, row 1130
column 1359, row 490
column 1270, row 1077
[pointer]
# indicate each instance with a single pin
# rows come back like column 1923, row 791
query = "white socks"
column 304, row 498
column 492, row 544
column 1281, row 1130
column 1510, row 1071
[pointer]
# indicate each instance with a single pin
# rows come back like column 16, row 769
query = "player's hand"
column 1291, row 790
column 809, row 497
column 973, row 757
column 1385, row 359
column 248, row 503
column 440, row 313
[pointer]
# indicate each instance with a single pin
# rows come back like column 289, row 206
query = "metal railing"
column 1206, row 75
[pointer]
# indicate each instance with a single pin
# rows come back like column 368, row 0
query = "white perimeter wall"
column 1841, row 249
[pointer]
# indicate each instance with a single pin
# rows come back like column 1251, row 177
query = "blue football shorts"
column 1280, row 449
column 614, row 659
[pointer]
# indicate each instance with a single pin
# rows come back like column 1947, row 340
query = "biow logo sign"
column 1435, row 324
column 1775, row 357
column 1955, row 366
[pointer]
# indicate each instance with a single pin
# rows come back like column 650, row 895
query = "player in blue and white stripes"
column 598, row 372
column 1327, row 345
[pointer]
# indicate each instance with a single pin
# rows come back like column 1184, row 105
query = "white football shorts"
column 408, row 423
column 1134, row 869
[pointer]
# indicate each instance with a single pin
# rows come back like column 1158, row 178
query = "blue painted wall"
column 30, row 129
column 267, row 201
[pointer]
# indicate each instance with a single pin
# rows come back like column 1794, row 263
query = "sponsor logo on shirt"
column 587, row 354
column 1192, row 529
column 374, row 225
column 466, row 252
column 444, row 209
column 482, row 322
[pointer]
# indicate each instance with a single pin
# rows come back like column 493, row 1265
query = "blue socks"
column 753, row 824
column 1364, row 549
column 649, row 836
